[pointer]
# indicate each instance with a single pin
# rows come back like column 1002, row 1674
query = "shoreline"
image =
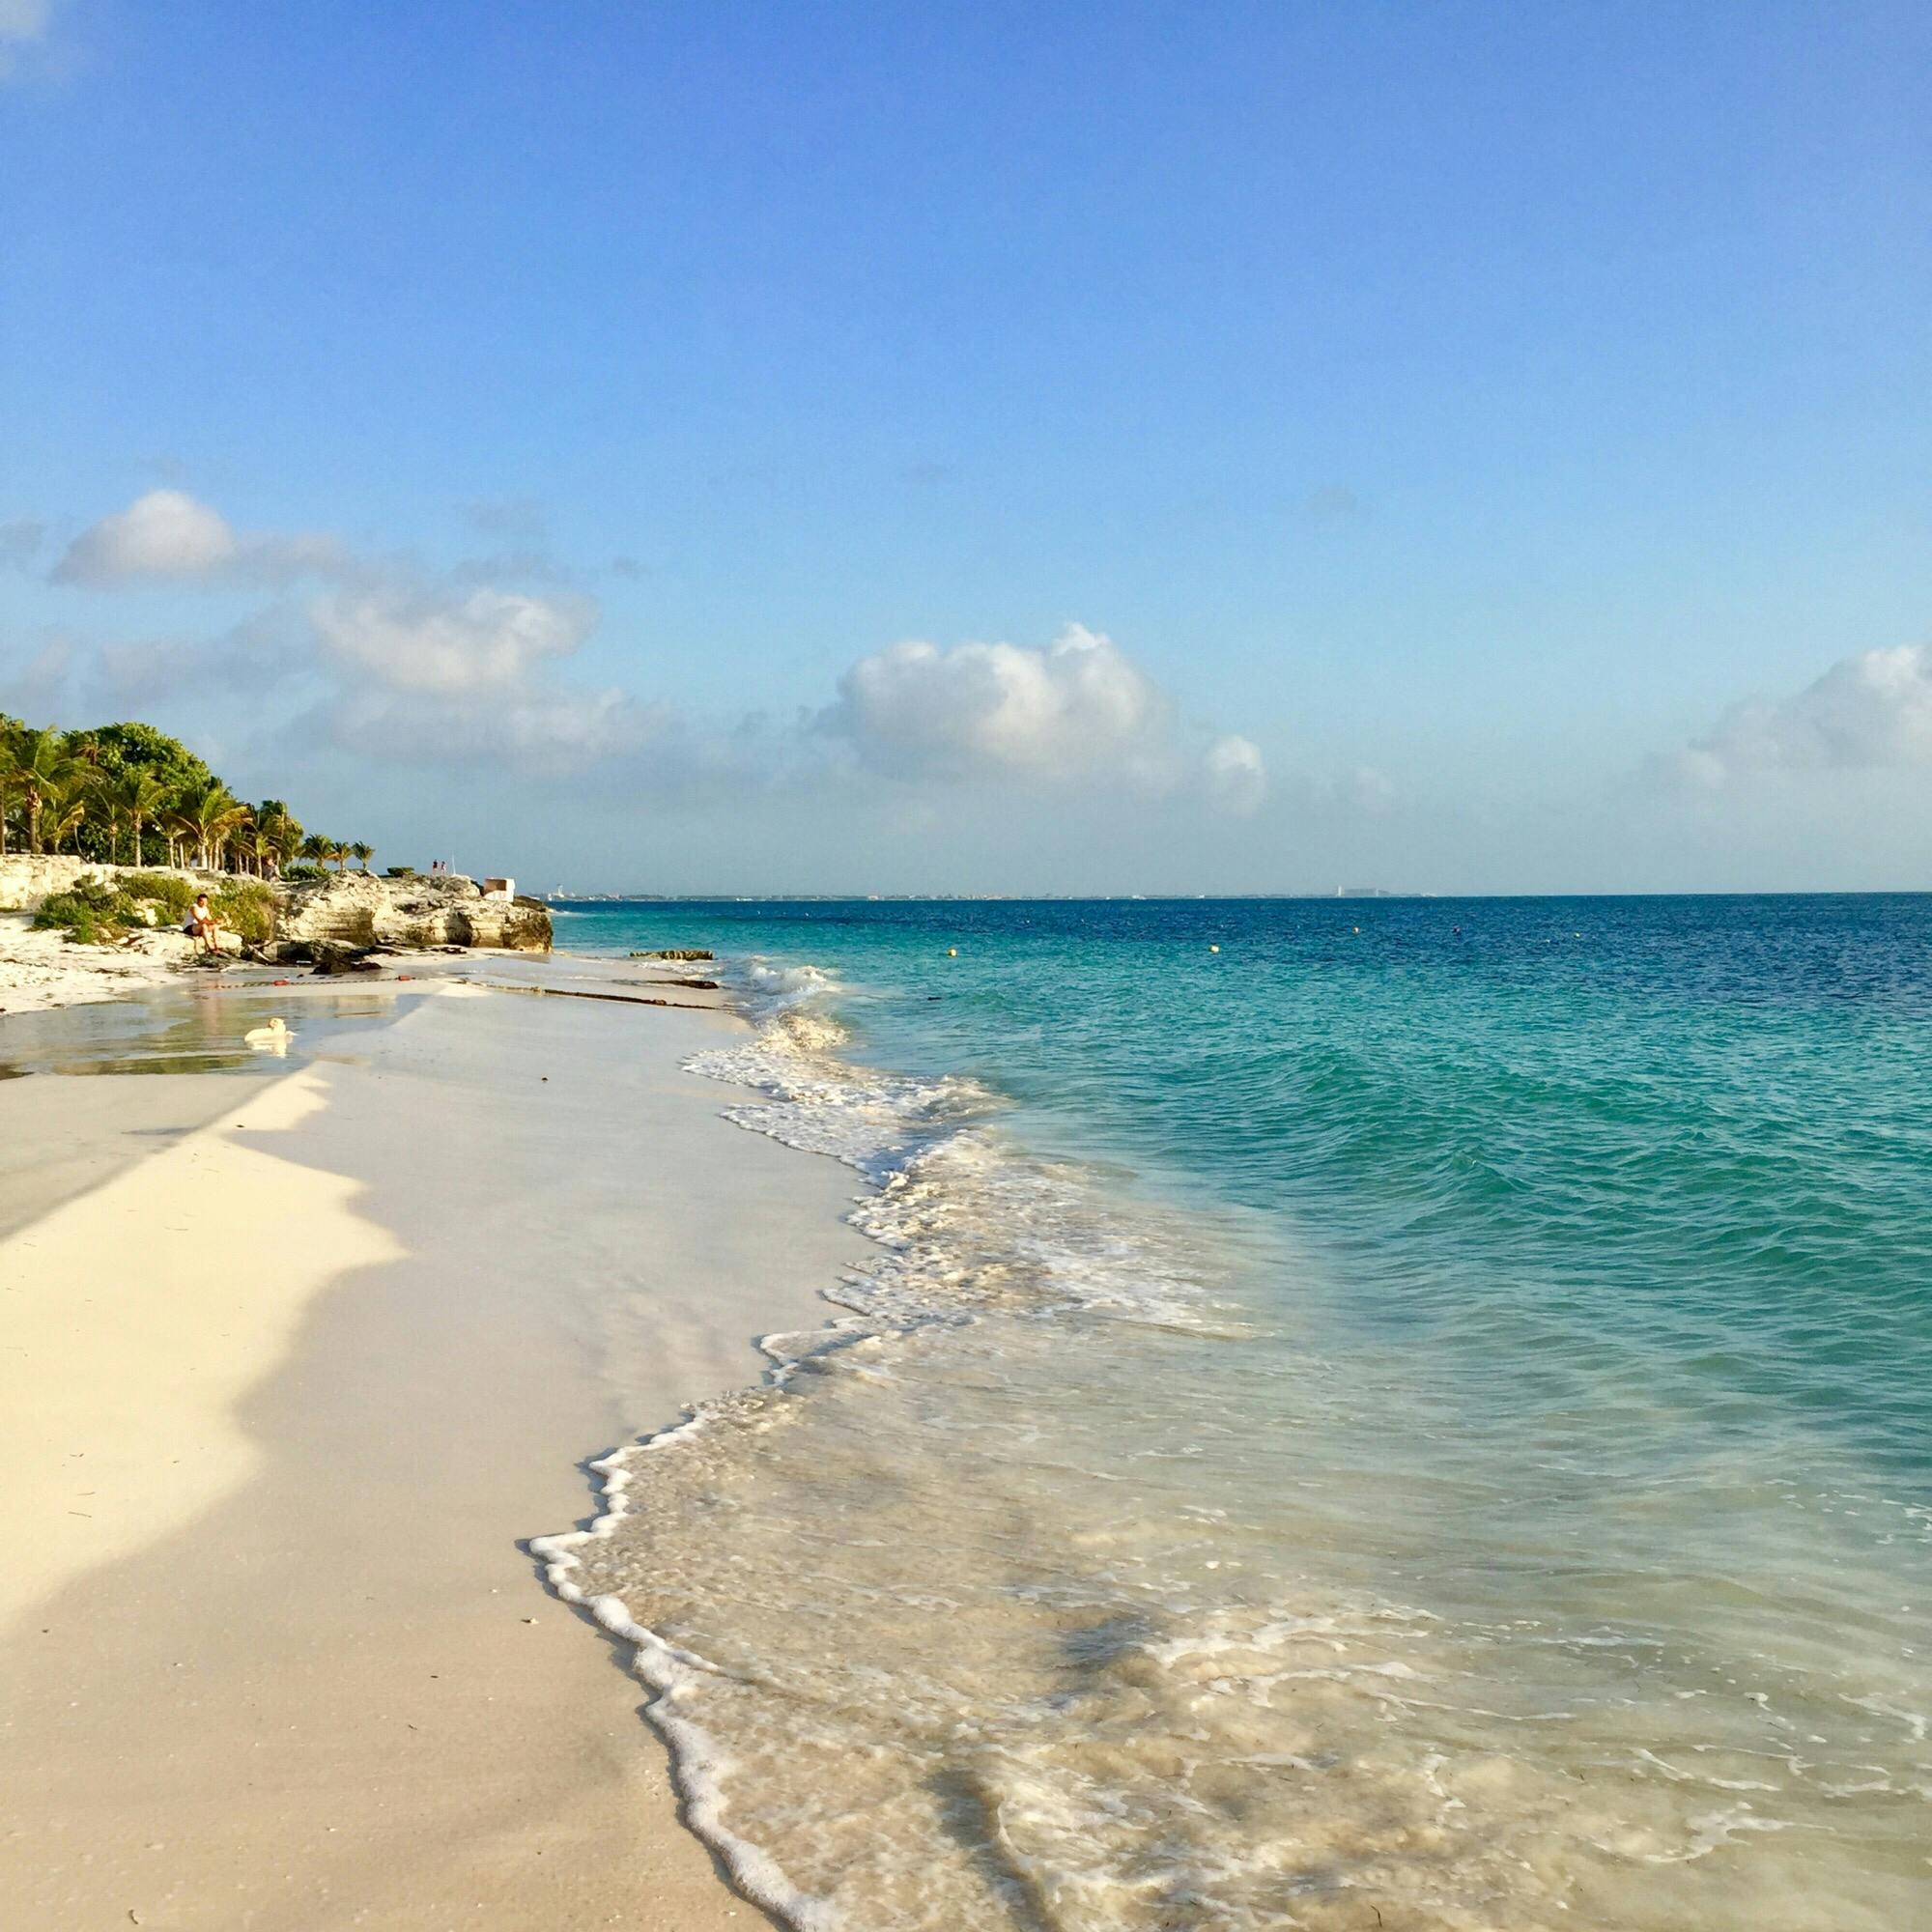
column 309, row 1674
column 41, row 971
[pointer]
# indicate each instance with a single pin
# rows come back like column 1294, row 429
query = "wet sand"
column 291, row 1361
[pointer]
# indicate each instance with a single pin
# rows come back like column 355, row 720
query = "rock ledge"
column 358, row 909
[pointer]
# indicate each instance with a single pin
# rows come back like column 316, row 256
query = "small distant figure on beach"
column 202, row 926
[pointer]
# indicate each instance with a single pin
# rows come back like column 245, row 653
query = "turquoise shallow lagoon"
column 1420, row 1416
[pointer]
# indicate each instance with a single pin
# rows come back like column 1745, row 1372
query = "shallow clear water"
column 1420, row 1417
column 199, row 1030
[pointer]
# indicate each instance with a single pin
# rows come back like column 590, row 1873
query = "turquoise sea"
column 1418, row 1417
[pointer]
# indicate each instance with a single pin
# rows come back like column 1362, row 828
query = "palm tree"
column 283, row 836
column 252, row 845
column 136, row 798
column 317, row 849
column 37, row 767
column 208, row 819
column 64, row 812
column 9, row 784
column 363, row 852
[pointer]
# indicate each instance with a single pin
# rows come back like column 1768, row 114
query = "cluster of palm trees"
column 51, row 788
column 324, row 851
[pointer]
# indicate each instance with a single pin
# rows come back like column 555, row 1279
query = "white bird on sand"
column 275, row 1037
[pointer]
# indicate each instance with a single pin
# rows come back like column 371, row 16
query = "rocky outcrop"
column 357, row 909
column 25, row 881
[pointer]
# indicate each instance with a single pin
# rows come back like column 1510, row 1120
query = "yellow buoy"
column 952, row 953
column 1213, row 949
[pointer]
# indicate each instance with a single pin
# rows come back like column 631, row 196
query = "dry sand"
column 38, row 970
column 291, row 1361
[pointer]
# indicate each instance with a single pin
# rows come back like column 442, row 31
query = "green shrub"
column 93, row 914
column 302, row 871
column 247, row 909
column 171, row 896
column 401, row 871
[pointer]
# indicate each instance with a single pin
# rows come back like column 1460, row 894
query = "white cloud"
column 405, row 668
column 464, row 668
column 1367, row 789
column 163, row 536
column 169, row 537
column 1237, row 775
column 1866, row 712
column 1078, row 711
column 427, row 642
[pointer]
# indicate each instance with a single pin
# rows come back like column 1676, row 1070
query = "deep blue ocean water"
column 1560, row 1354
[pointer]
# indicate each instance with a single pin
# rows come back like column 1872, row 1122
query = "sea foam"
column 1026, row 1594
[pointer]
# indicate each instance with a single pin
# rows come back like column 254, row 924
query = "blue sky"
column 991, row 447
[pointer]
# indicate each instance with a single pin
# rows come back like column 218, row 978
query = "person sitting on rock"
column 203, row 924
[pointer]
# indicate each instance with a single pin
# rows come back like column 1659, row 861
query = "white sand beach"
column 40, row 970
column 291, row 1361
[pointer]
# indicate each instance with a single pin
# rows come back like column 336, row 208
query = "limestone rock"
column 26, row 881
column 358, row 909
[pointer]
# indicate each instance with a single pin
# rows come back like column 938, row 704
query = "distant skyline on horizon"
column 993, row 451
column 1354, row 895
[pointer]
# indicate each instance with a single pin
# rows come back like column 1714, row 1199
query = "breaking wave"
column 1031, row 1593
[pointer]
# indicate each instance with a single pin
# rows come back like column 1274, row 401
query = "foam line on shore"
column 910, row 1140
column 699, row 1765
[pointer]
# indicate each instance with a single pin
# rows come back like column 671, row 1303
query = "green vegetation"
column 247, row 909
column 127, row 794
column 93, row 914
column 167, row 893
column 99, row 912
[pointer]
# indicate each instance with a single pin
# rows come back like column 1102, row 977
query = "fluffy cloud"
column 467, row 667
column 480, row 641
column 450, row 674
column 1236, row 777
column 1078, row 711
column 168, row 537
column 1867, row 712
column 403, row 667
column 162, row 536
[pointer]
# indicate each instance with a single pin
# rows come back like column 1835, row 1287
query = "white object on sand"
column 276, row 1035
